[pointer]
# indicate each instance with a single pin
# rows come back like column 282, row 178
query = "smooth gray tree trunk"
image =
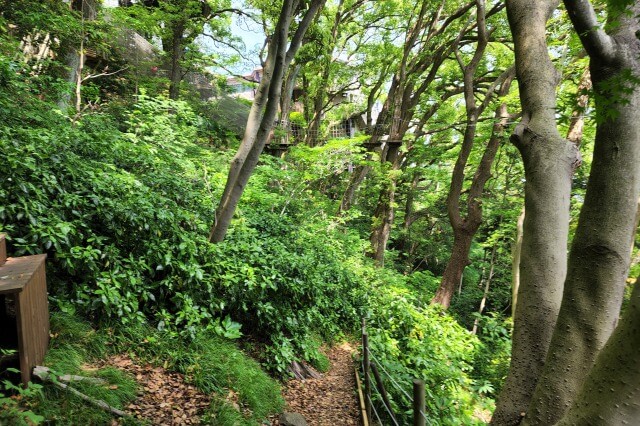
column 599, row 260
column 610, row 394
column 549, row 161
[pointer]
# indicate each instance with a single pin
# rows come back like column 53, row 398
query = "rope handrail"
column 373, row 407
column 391, row 416
column 396, row 384
column 418, row 392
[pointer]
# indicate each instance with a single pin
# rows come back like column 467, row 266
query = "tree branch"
column 594, row 39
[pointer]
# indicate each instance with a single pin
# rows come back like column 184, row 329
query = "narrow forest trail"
column 330, row 400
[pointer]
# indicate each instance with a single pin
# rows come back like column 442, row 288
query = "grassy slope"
column 213, row 364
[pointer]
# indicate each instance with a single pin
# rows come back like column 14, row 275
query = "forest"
column 231, row 192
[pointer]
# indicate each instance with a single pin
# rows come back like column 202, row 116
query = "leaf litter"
column 164, row 397
column 330, row 400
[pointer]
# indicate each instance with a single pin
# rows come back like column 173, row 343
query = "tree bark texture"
column 549, row 161
column 455, row 267
column 599, row 260
column 610, row 394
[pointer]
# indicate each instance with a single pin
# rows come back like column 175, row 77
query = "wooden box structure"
column 24, row 309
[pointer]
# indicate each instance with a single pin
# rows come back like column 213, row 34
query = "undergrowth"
column 122, row 198
column 213, row 364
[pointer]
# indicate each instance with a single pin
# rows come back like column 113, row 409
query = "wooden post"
column 3, row 249
column 24, row 279
column 367, row 376
column 418, row 403
column 383, row 392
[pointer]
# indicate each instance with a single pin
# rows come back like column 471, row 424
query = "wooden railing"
column 371, row 365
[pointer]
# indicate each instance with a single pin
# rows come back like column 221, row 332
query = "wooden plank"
column 3, row 248
column 17, row 272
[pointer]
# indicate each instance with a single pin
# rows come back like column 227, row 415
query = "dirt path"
column 330, row 400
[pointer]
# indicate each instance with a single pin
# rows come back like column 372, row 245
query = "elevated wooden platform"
column 277, row 149
column 24, row 310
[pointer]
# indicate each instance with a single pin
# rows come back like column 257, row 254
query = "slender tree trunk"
column 599, row 260
column 455, row 267
column 241, row 169
column 470, row 224
column 385, row 210
column 250, row 133
column 313, row 134
column 576, row 125
column 485, row 294
column 515, row 263
column 287, row 98
column 78, row 75
column 358, row 176
column 259, row 123
column 549, row 161
column 75, row 59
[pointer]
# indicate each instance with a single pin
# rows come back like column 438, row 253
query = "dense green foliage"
column 121, row 202
column 123, row 214
column 121, row 194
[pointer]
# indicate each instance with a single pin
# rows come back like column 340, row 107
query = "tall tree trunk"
column 599, row 260
column 515, row 263
column 175, row 66
column 385, row 210
column 549, row 161
column 260, row 123
column 313, row 134
column 485, row 294
column 287, row 97
column 470, row 224
column 270, row 85
column 75, row 59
